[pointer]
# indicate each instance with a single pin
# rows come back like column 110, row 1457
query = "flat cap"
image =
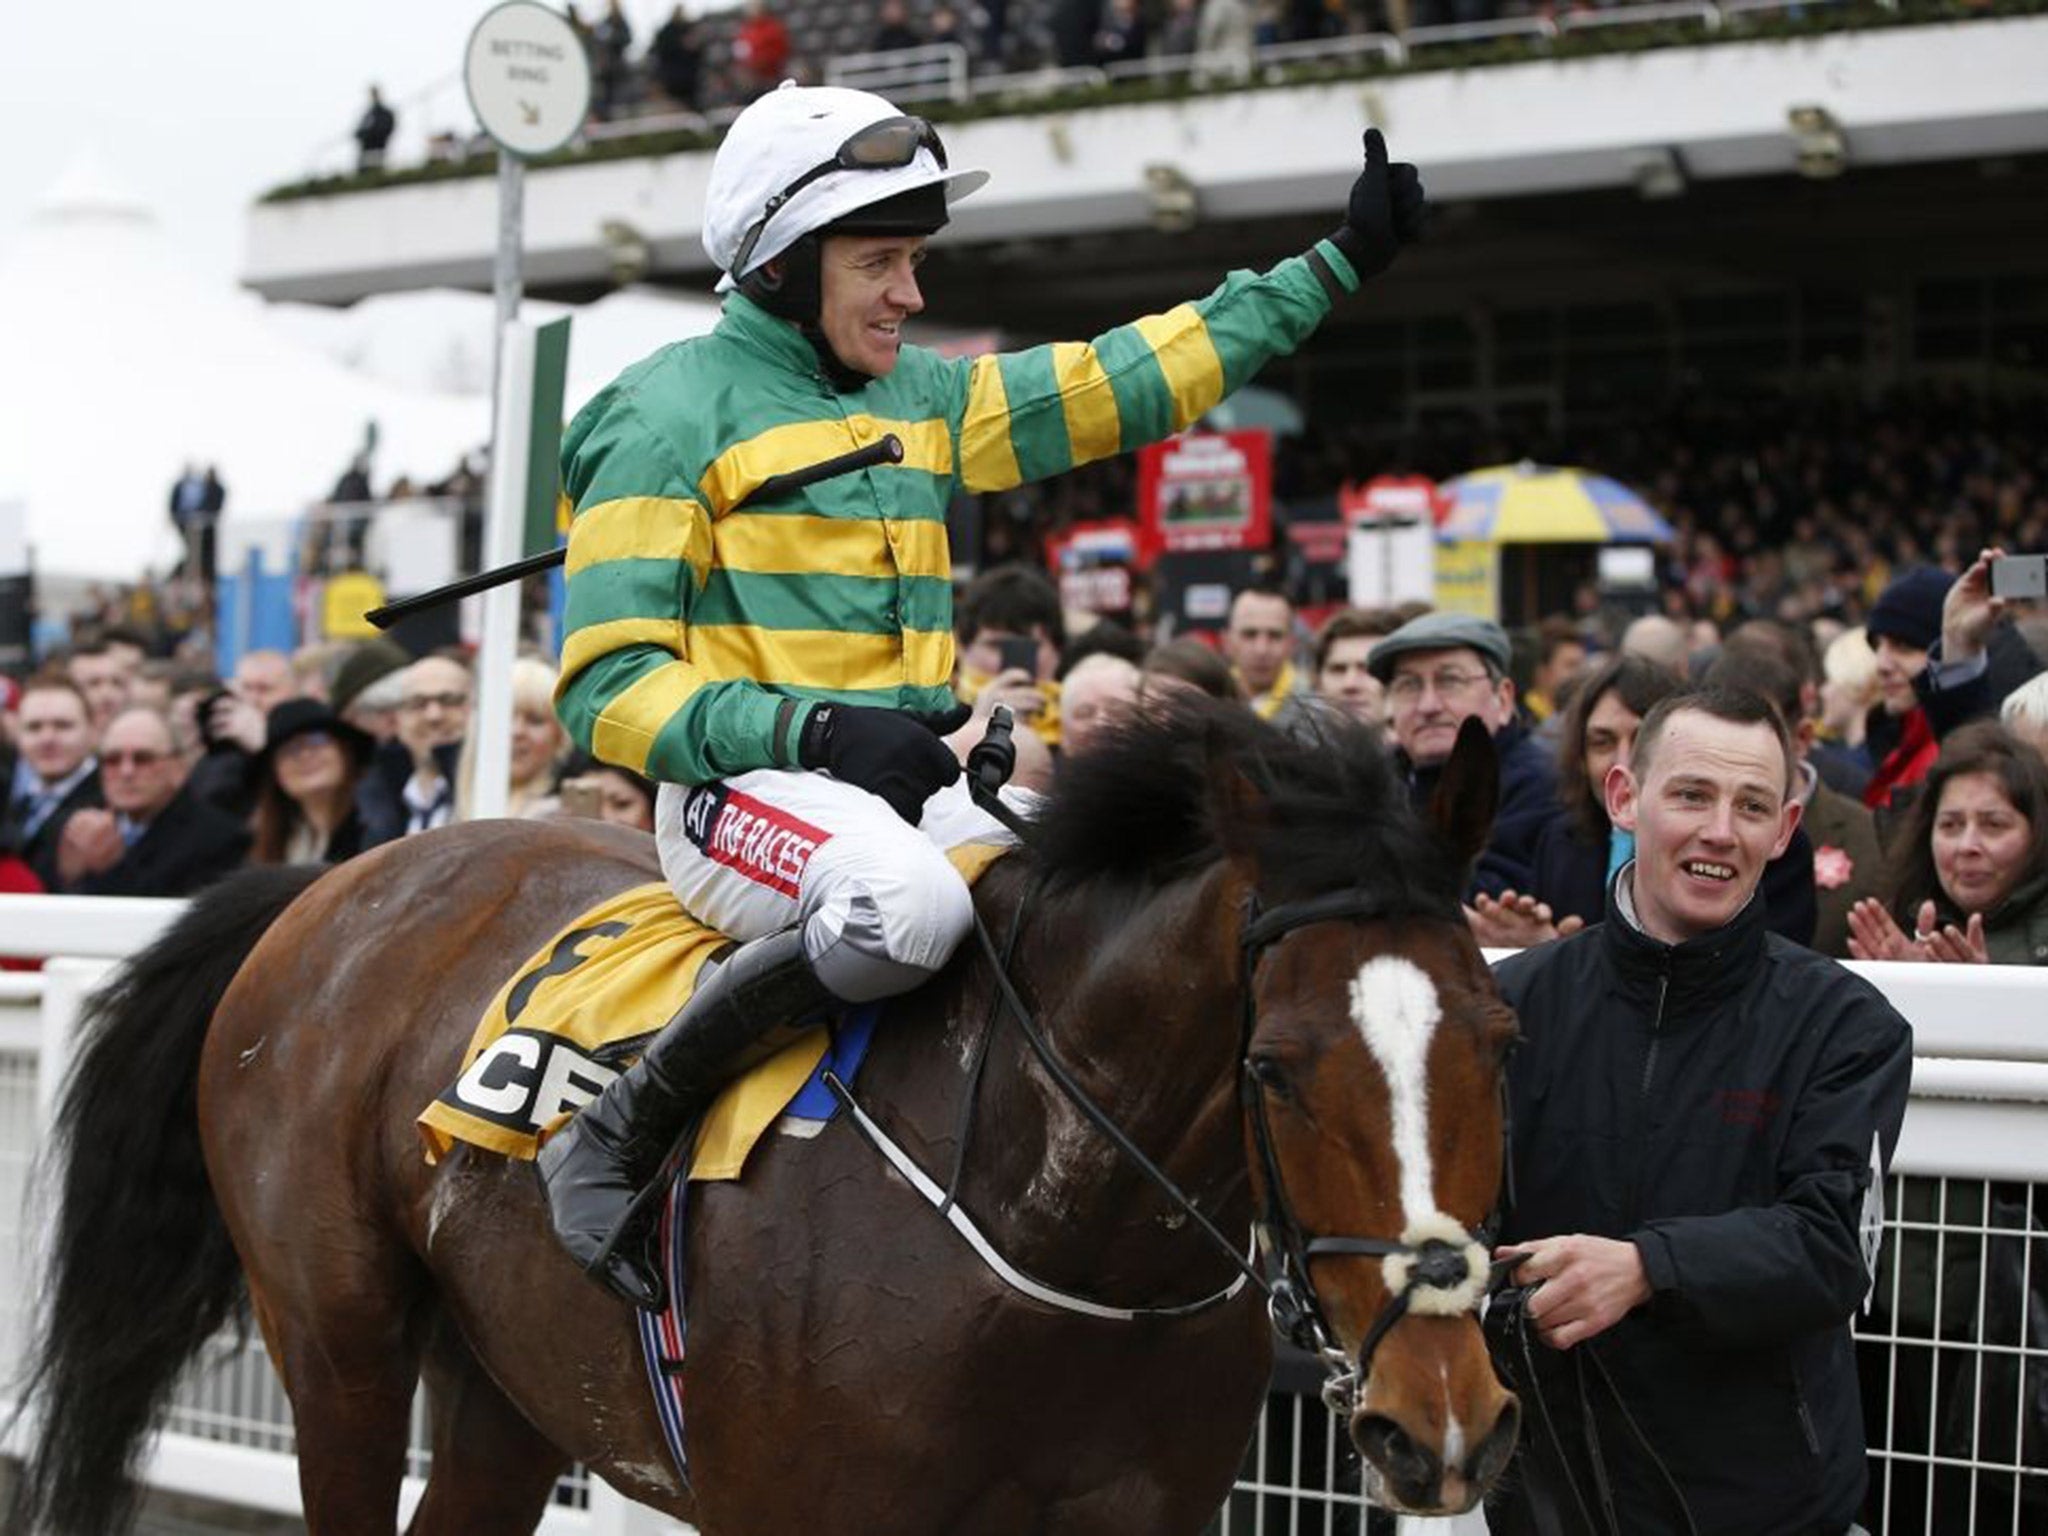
column 1439, row 632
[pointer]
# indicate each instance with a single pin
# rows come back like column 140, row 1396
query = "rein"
column 1435, row 1268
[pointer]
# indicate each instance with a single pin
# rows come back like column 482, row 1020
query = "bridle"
column 1436, row 1267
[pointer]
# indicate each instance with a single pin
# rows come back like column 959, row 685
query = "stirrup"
column 616, row 1271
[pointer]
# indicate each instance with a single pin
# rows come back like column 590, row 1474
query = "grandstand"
column 1649, row 217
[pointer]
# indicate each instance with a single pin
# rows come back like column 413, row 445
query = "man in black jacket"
column 1702, row 1114
column 54, row 775
column 154, row 837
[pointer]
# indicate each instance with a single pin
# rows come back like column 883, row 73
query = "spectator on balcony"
column 1074, row 26
column 373, row 132
column 942, row 27
column 678, row 52
column 1178, row 38
column 610, row 42
column 1122, row 36
column 54, row 776
column 195, row 507
column 893, row 30
column 1224, row 36
column 153, row 837
column 760, row 49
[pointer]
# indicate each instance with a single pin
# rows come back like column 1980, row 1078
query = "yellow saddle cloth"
column 577, row 1013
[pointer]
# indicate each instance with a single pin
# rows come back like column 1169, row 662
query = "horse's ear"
column 1237, row 808
column 1467, row 794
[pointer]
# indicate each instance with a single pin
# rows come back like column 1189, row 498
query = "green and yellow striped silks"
column 694, row 620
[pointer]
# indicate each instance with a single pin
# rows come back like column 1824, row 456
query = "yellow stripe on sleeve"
column 1188, row 358
column 625, row 731
column 769, row 542
column 592, row 641
column 1094, row 430
column 820, row 658
column 641, row 528
column 988, row 459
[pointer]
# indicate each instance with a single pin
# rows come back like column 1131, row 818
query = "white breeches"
column 881, row 907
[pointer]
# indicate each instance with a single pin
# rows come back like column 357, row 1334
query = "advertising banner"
column 1206, row 491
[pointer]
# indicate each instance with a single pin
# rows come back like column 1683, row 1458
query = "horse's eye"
column 1268, row 1073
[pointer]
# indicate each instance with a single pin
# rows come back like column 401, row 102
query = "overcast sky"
column 201, row 105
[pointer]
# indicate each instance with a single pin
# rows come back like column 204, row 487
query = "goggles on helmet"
column 888, row 145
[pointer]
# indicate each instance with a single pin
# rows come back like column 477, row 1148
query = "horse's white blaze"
column 1454, row 1431
column 1394, row 1004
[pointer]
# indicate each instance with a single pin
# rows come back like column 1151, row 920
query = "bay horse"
column 1246, row 948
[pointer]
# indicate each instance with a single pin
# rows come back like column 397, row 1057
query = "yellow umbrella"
column 1536, row 504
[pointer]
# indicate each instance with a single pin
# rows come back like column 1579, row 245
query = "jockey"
column 783, row 670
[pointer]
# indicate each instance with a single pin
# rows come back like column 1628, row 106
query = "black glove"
column 887, row 752
column 1388, row 210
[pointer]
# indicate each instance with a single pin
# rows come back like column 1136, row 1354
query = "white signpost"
column 529, row 83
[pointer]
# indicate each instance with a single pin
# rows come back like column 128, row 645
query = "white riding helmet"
column 790, row 165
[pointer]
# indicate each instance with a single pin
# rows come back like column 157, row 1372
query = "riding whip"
column 887, row 449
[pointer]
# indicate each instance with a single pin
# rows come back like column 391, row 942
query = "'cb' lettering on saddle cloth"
column 580, row 1009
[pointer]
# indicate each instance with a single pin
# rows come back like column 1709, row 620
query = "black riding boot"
column 744, row 1010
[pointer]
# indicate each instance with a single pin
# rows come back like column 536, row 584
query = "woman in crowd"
column 607, row 792
column 538, row 743
column 306, row 786
column 1848, row 694
column 1577, row 851
column 1972, row 859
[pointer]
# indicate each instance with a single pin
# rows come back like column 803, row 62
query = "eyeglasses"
column 1448, row 683
column 888, row 145
column 415, row 702
column 141, row 758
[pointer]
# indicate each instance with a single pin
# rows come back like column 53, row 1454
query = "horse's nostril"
column 1412, row 1468
column 1490, row 1457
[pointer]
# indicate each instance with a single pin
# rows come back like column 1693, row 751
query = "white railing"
column 1947, row 1350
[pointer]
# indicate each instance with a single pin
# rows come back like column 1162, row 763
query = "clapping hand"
column 1874, row 935
column 1512, row 921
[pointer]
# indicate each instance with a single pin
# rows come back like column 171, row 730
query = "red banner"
column 1206, row 491
column 1395, row 498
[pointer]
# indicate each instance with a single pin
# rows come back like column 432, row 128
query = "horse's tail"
column 141, row 1271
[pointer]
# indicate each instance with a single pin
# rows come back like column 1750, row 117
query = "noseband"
column 1436, row 1268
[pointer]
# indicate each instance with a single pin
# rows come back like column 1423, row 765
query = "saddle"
column 577, row 1011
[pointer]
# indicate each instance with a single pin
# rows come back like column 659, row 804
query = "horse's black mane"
column 1156, row 801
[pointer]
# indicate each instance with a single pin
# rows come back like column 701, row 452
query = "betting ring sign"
column 528, row 78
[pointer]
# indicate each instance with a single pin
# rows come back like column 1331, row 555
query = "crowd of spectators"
column 710, row 60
